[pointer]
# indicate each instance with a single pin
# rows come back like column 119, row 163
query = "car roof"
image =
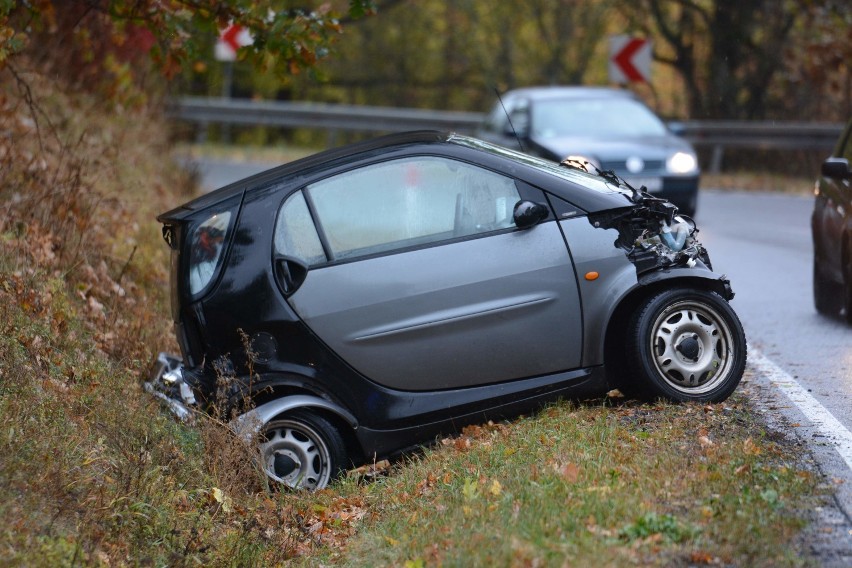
column 590, row 200
column 562, row 92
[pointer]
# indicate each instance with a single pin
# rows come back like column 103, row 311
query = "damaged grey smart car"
column 371, row 298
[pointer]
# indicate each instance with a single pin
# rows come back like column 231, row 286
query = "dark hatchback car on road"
column 831, row 224
column 371, row 298
column 610, row 127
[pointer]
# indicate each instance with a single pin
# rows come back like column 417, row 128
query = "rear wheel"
column 687, row 345
column 828, row 295
column 846, row 290
column 302, row 450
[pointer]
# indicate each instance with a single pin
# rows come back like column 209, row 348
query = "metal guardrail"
column 719, row 135
column 716, row 135
column 763, row 135
column 319, row 115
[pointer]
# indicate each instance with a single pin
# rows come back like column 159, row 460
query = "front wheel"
column 687, row 345
column 302, row 450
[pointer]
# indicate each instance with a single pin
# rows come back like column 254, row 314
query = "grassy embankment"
column 93, row 473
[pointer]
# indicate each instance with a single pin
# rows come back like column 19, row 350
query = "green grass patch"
column 590, row 484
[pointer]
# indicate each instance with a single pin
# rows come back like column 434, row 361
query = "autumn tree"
column 89, row 41
column 732, row 59
column 455, row 53
column 727, row 52
column 819, row 70
column 569, row 32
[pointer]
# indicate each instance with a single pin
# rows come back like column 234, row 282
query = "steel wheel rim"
column 302, row 444
column 692, row 347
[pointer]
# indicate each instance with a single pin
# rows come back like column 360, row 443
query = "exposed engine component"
column 654, row 235
column 673, row 244
column 652, row 232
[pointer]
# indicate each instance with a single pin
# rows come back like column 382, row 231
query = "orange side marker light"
column 592, row 276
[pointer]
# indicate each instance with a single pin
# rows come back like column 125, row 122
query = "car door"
column 418, row 278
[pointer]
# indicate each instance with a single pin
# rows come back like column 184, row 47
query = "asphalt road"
column 217, row 173
column 762, row 242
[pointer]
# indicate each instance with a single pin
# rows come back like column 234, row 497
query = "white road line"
column 823, row 421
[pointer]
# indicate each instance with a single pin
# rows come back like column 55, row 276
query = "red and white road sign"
column 629, row 59
column 230, row 40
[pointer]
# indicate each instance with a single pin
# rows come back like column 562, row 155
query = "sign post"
column 231, row 39
column 629, row 59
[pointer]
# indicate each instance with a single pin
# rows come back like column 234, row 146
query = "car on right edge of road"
column 831, row 224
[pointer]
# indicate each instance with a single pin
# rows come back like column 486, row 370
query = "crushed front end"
column 651, row 231
column 654, row 236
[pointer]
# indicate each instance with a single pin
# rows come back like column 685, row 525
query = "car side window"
column 410, row 202
column 295, row 233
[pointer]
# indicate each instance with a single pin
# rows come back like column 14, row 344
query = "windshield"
column 590, row 181
column 594, row 118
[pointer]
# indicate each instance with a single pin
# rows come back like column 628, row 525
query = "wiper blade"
column 639, row 196
column 586, row 165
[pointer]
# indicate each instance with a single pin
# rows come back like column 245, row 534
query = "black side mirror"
column 528, row 213
column 836, row 168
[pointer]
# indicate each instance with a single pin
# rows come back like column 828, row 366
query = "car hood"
column 646, row 147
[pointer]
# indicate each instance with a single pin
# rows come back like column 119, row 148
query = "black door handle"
column 290, row 274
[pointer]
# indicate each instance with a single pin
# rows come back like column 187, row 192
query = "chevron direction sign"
column 629, row 59
column 230, row 40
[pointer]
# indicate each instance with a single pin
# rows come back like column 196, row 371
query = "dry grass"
column 91, row 471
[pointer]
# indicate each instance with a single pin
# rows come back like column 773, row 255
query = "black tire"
column 846, row 289
column 828, row 295
column 302, row 450
column 686, row 344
